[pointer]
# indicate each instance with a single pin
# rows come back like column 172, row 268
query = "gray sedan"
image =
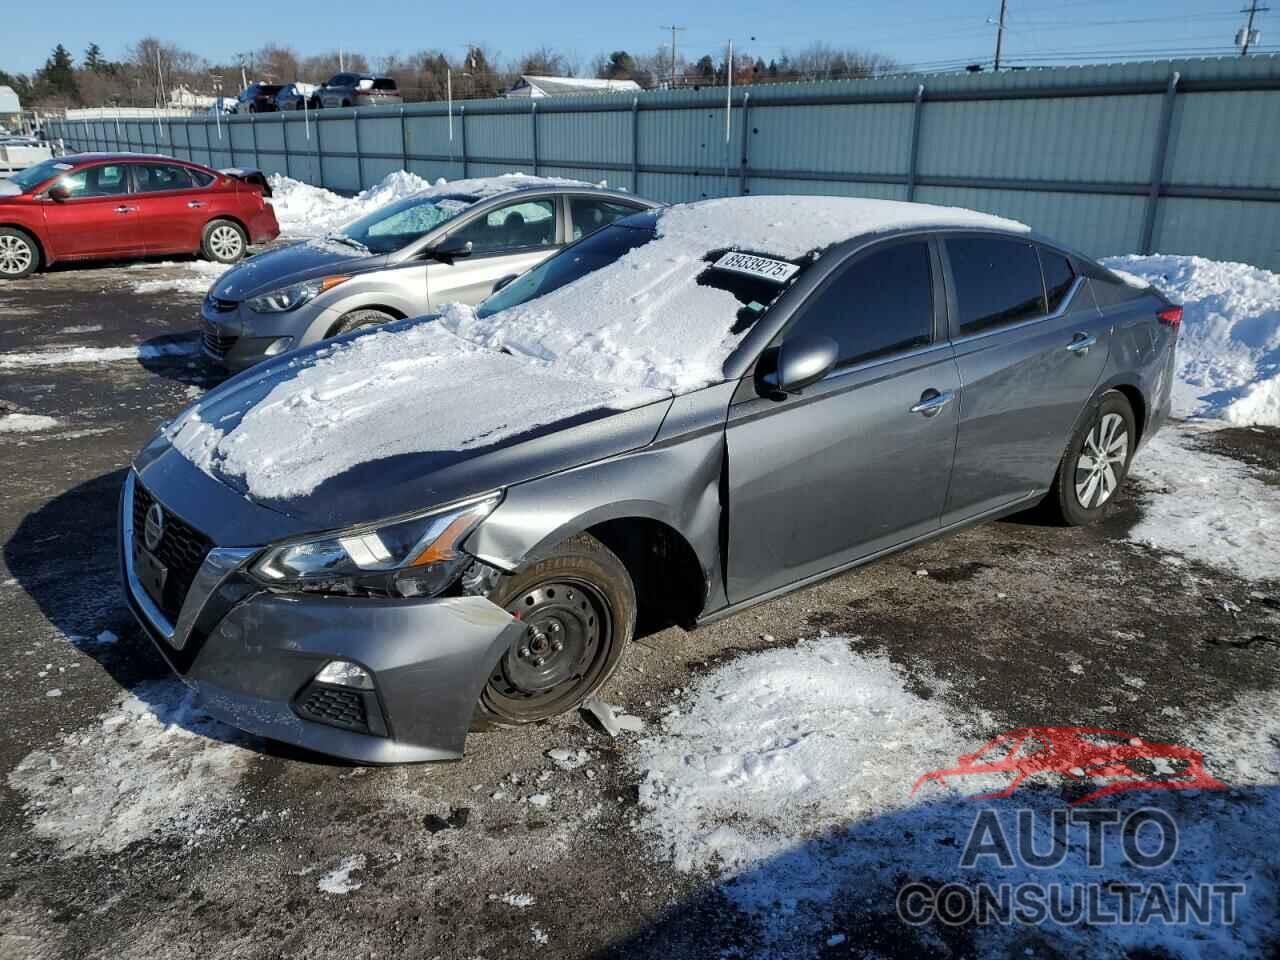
column 451, row 243
column 373, row 545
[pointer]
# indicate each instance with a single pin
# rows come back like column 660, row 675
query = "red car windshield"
column 30, row 178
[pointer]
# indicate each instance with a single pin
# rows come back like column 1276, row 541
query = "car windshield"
column 31, row 177
column 394, row 227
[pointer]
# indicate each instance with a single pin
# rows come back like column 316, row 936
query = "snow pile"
column 200, row 276
column 1228, row 361
column 338, row 880
column 26, row 423
column 347, row 407
column 303, row 210
column 56, row 358
column 1207, row 507
column 154, row 766
column 786, row 775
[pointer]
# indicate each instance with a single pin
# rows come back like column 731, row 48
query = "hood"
column 9, row 189
column 303, row 260
column 399, row 419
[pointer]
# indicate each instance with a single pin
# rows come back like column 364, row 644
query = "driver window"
column 880, row 305
column 530, row 223
column 104, row 181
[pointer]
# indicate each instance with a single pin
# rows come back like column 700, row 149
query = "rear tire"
column 357, row 319
column 19, row 254
column 1095, row 464
column 224, row 241
column 579, row 605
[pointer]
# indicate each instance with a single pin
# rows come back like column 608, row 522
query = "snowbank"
column 304, row 210
column 1228, row 363
column 55, row 358
column 26, row 423
column 199, row 277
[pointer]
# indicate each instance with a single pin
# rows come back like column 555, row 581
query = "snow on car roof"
column 637, row 330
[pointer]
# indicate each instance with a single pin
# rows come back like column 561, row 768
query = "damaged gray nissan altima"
column 371, row 546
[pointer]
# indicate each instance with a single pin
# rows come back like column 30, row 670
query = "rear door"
column 587, row 214
column 1031, row 347
column 508, row 239
column 172, row 207
column 847, row 468
column 100, row 219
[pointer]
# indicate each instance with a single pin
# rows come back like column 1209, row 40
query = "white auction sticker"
column 777, row 271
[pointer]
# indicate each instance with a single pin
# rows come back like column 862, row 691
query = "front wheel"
column 1096, row 462
column 358, row 319
column 578, row 607
column 19, row 255
column 224, row 241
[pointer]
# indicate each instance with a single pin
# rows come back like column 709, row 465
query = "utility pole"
column 1248, row 36
column 1004, row 6
column 673, row 28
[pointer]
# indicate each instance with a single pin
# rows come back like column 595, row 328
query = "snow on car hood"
column 294, row 263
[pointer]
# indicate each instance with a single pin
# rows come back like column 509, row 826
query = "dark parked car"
column 295, row 96
column 109, row 206
column 368, row 545
column 258, row 98
column 357, row 90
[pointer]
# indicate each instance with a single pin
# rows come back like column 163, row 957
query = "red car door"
column 172, row 208
column 98, row 216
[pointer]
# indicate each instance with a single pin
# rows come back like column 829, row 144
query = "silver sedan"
column 453, row 243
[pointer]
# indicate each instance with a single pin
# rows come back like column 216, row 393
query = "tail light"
column 1172, row 316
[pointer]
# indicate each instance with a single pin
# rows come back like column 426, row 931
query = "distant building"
column 182, row 97
column 557, row 86
column 10, row 107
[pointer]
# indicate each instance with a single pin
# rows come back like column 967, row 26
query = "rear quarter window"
column 997, row 282
column 1110, row 289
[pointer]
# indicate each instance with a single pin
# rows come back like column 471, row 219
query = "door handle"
column 1081, row 344
column 194, row 204
column 125, row 209
column 931, row 402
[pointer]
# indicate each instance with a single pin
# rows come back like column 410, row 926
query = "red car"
column 111, row 206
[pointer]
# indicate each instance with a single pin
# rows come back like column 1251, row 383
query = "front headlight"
column 414, row 557
column 292, row 297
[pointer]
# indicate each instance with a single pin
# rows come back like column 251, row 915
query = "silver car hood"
column 283, row 266
column 9, row 189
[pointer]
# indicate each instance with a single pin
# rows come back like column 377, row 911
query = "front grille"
column 215, row 341
column 220, row 306
column 181, row 549
column 335, row 706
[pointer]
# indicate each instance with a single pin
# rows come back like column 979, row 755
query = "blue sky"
column 923, row 33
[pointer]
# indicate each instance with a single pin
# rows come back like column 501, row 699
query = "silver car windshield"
column 394, row 227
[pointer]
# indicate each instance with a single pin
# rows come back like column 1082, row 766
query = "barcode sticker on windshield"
column 777, row 271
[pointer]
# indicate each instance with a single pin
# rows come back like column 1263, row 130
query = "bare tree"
column 320, row 67
column 545, row 62
column 158, row 67
column 276, row 63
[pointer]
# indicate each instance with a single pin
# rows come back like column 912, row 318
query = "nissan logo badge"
column 153, row 529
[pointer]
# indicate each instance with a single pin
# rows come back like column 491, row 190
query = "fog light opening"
column 278, row 346
column 344, row 673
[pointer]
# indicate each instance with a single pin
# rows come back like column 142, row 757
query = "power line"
column 1248, row 33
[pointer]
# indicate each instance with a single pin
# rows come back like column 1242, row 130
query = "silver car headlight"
column 294, row 296
column 414, row 557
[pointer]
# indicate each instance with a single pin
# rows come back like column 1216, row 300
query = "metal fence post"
column 253, row 139
column 635, row 145
column 533, row 119
column 1159, row 157
column 746, row 140
column 208, row 144
column 462, row 127
column 913, row 163
column 231, row 144
column 404, row 144
column 319, row 152
column 355, row 126
column 284, row 139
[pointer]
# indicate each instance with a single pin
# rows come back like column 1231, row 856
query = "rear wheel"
column 19, row 255
column 357, row 319
column 578, row 607
column 1096, row 462
column 224, row 241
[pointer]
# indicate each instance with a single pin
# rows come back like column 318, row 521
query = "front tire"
column 1096, row 462
column 579, row 608
column 357, row 319
column 224, row 241
column 19, row 255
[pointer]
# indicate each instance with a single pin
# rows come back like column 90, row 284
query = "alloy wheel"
column 1102, row 461
column 16, row 255
column 225, row 242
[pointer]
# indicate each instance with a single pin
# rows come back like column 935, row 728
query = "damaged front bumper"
column 252, row 657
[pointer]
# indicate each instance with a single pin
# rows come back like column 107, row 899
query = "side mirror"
column 504, row 281
column 59, row 192
column 448, row 250
column 800, row 362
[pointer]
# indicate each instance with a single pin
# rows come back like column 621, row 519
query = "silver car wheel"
column 16, row 255
column 225, row 242
column 1102, row 461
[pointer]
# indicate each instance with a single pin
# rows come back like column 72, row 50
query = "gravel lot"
column 126, row 836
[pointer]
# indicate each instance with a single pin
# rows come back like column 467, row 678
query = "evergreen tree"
column 93, row 58
column 57, row 78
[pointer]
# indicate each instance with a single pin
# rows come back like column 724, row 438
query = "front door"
column 99, row 219
column 860, row 461
column 507, row 240
column 1031, row 346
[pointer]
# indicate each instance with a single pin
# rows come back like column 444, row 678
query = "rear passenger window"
column 158, row 177
column 997, row 282
column 882, row 304
column 592, row 213
column 1058, row 277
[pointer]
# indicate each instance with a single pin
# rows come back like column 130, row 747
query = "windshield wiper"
column 349, row 241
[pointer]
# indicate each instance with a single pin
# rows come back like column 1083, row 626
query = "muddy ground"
column 1034, row 624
